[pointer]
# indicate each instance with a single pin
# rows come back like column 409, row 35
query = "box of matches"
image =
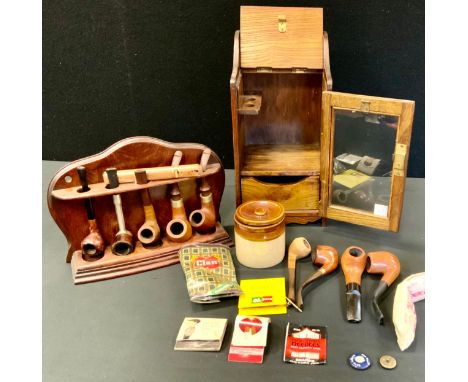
column 249, row 339
column 263, row 297
column 201, row 334
column 305, row 344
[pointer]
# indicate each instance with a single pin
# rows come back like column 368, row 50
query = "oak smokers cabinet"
column 322, row 154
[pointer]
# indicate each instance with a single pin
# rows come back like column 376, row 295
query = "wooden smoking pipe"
column 325, row 256
column 298, row 249
column 341, row 196
column 123, row 243
column 158, row 173
column 204, row 219
column 353, row 263
column 355, row 198
column 178, row 229
column 387, row 264
column 93, row 244
column 149, row 232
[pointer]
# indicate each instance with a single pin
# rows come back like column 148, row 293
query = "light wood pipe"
column 123, row 242
column 387, row 264
column 178, row 229
column 149, row 232
column 203, row 220
column 325, row 256
column 158, row 173
column 353, row 263
column 92, row 246
column 298, row 249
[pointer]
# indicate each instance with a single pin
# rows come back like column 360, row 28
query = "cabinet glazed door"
column 364, row 155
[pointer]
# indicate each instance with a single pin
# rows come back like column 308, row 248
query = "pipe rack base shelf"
column 141, row 260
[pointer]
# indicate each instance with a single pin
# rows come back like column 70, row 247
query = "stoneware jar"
column 260, row 233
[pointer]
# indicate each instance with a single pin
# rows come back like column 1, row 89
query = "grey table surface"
column 124, row 329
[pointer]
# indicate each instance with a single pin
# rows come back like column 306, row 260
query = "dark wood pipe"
column 92, row 246
column 123, row 242
column 203, row 220
column 325, row 256
column 178, row 229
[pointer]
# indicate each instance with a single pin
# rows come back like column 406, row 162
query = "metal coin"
column 387, row 362
column 359, row 361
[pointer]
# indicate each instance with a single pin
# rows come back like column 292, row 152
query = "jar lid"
column 260, row 213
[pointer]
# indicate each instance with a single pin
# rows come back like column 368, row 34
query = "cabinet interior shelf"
column 281, row 160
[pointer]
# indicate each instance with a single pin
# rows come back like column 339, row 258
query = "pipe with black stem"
column 92, row 246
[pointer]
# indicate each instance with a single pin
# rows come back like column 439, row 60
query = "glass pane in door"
column 363, row 149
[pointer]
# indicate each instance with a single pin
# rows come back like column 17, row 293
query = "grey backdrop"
column 118, row 68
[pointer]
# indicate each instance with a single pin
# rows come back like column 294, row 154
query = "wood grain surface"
column 303, row 194
column 270, row 160
column 235, row 89
column 263, row 45
column 302, row 216
column 291, row 108
column 327, row 76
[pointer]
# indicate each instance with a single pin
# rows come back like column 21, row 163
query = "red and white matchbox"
column 249, row 339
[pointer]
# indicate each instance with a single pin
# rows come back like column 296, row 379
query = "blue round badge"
column 359, row 361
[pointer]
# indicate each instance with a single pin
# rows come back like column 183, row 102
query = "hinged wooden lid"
column 281, row 37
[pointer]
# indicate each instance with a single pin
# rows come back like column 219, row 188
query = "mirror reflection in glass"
column 362, row 160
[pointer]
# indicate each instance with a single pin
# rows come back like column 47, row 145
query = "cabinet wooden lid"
column 281, row 37
column 260, row 213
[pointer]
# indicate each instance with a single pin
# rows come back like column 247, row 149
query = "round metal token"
column 387, row 362
column 359, row 361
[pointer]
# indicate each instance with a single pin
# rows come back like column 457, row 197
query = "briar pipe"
column 341, row 196
column 358, row 198
column 353, row 263
column 93, row 244
column 298, row 249
column 204, row 219
column 123, row 243
column 149, row 232
column 325, row 256
column 178, row 229
column 388, row 265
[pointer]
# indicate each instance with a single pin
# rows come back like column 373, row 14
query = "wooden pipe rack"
column 66, row 205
